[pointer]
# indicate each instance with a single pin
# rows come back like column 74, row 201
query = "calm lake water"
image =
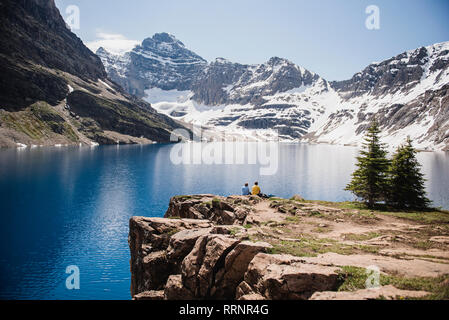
column 71, row 206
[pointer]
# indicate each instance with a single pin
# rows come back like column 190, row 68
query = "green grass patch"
column 316, row 214
column 427, row 216
column 321, row 230
column 292, row 219
column 354, row 278
column 39, row 122
column 424, row 245
column 234, row 231
column 216, row 202
column 430, row 216
column 173, row 232
column 183, row 197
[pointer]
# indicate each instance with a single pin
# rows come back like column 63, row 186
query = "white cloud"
column 115, row 43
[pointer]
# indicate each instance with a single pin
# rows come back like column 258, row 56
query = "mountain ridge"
column 280, row 96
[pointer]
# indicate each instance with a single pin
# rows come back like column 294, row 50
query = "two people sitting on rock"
column 255, row 190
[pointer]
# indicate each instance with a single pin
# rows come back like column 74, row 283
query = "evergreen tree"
column 407, row 188
column 369, row 181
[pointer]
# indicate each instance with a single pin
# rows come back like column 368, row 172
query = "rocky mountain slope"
column 407, row 93
column 161, row 61
column 54, row 90
column 246, row 248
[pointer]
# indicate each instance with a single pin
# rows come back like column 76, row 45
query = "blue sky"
column 328, row 37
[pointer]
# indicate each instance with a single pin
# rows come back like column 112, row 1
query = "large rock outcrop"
column 198, row 263
column 198, row 252
column 284, row 277
column 187, row 259
column 149, row 240
column 220, row 210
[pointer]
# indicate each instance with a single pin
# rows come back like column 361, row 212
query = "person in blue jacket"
column 245, row 190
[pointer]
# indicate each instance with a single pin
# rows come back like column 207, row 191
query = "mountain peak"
column 101, row 50
column 162, row 40
column 277, row 61
column 402, row 73
column 162, row 55
column 166, row 38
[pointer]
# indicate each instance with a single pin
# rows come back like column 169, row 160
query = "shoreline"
column 21, row 146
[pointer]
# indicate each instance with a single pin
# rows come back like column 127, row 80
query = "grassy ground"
column 311, row 228
column 308, row 246
column 39, row 122
column 354, row 278
column 432, row 215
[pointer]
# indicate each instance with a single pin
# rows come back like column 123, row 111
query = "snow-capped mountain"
column 161, row 61
column 408, row 94
column 224, row 82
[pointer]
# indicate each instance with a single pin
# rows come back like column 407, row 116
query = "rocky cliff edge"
column 238, row 247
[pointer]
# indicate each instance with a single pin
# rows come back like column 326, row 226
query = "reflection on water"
column 71, row 206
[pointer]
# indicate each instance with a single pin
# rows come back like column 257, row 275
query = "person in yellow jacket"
column 255, row 191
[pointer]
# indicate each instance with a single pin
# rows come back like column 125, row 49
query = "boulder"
column 223, row 217
column 200, row 266
column 252, row 297
column 156, row 270
column 386, row 292
column 181, row 208
column 241, row 213
column 150, row 295
column 220, row 210
column 148, row 239
column 235, row 267
column 182, row 243
column 284, row 277
column 297, row 197
column 222, row 229
column 175, row 290
column 244, row 289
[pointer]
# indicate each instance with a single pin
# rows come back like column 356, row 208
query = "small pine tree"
column 406, row 181
column 369, row 181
